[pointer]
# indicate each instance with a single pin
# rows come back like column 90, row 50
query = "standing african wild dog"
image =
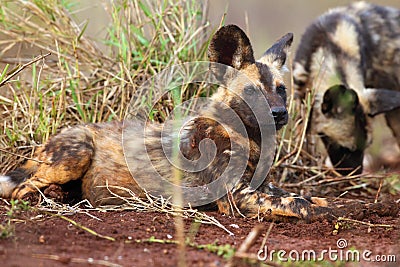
column 350, row 57
column 94, row 154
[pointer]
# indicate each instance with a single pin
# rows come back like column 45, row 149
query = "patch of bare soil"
column 147, row 239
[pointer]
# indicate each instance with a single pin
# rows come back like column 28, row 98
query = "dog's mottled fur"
column 93, row 153
column 355, row 51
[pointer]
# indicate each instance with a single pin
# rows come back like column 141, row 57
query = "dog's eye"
column 281, row 89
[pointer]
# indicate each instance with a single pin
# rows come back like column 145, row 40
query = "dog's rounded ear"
column 231, row 46
column 276, row 55
column 339, row 99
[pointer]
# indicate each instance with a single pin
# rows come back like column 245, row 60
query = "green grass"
column 14, row 210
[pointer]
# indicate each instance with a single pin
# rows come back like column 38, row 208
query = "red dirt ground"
column 43, row 240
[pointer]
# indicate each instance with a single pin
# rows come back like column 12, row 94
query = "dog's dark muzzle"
column 280, row 115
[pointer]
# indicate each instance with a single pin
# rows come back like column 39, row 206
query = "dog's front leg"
column 273, row 204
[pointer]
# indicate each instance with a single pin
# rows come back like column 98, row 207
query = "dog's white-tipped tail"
column 6, row 186
column 4, row 178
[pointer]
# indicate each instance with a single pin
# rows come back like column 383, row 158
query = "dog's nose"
column 280, row 116
column 279, row 113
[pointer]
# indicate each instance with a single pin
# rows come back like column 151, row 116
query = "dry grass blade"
column 14, row 72
column 21, row 156
column 342, row 219
column 262, row 247
column 250, row 239
column 78, row 225
column 242, row 255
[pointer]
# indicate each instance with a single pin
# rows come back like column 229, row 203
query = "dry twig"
column 21, row 68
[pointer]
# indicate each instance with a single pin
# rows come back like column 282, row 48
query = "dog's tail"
column 13, row 178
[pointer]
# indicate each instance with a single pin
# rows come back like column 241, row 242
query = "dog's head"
column 256, row 81
column 342, row 125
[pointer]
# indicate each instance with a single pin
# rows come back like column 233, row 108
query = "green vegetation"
column 15, row 209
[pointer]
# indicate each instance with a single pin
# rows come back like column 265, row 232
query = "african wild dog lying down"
column 93, row 153
column 350, row 57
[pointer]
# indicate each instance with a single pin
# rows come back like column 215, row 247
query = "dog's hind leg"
column 65, row 157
